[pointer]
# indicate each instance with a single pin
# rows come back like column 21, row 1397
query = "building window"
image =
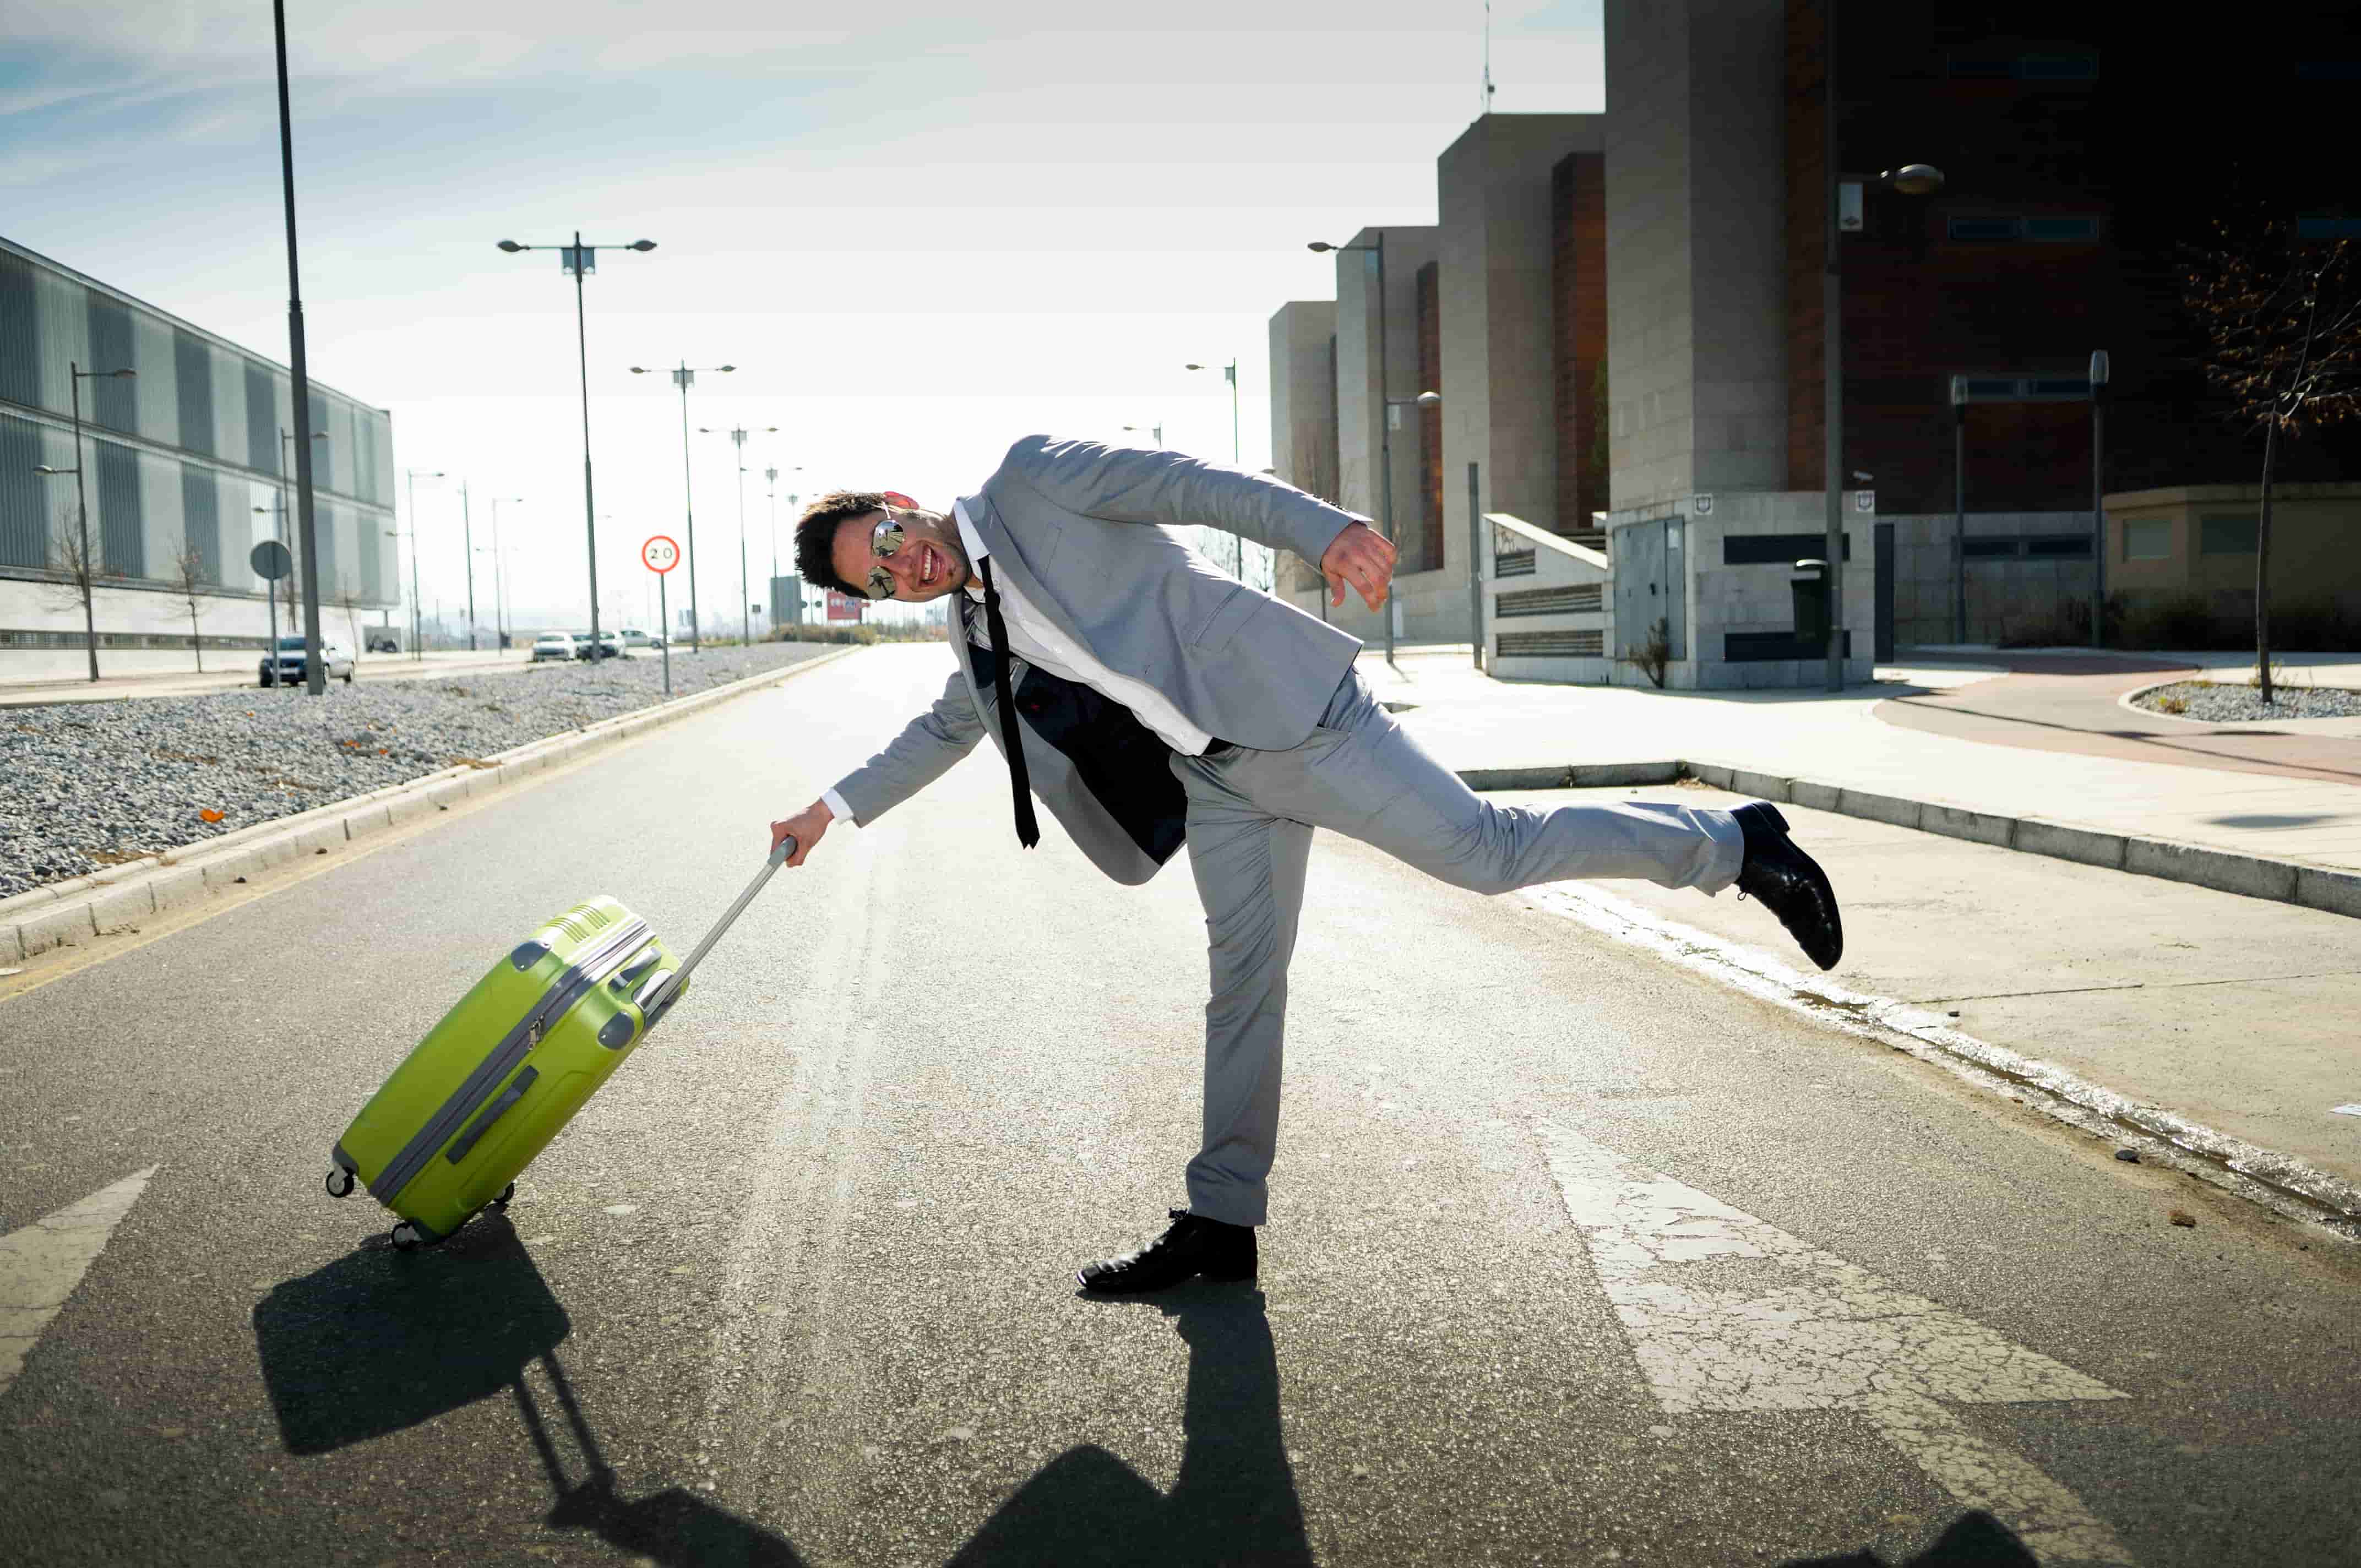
column 2022, row 67
column 2013, row 226
column 1987, row 228
column 2059, row 546
column 2149, row 540
column 2230, row 535
column 1988, row 549
column 1776, row 549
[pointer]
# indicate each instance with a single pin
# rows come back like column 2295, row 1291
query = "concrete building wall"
column 1303, row 409
column 1360, row 403
column 1498, row 318
column 1697, row 238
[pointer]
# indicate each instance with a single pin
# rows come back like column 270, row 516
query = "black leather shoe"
column 1790, row 884
column 1193, row 1245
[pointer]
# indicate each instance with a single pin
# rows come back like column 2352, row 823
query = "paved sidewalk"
column 1473, row 722
column 229, row 672
column 2238, row 1014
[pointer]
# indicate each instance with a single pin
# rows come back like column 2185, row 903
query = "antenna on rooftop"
column 1488, row 57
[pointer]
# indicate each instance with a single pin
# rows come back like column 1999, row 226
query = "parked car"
column 635, row 638
column 285, row 666
column 382, row 645
column 608, row 646
column 551, row 646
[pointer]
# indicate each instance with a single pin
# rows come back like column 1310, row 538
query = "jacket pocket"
column 1226, row 621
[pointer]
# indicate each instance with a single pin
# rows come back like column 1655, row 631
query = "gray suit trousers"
column 1250, row 820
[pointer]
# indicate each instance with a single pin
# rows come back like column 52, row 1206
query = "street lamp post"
column 1384, row 420
column 685, row 378
column 315, row 679
column 499, row 578
column 2098, row 501
column 738, row 439
column 409, row 476
column 1230, row 374
column 468, row 540
column 1910, row 179
column 577, row 259
column 82, row 508
column 771, row 477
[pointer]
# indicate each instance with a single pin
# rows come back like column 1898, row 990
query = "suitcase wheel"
column 404, row 1237
column 501, row 1203
column 340, row 1182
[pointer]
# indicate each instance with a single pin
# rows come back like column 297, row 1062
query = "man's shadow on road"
column 1974, row 1540
column 380, row 1340
column 1234, row 1500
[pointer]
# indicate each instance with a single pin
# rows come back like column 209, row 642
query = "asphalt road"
column 1574, row 1257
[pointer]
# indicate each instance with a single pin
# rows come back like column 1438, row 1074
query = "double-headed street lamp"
column 499, row 578
column 1230, row 374
column 577, row 259
column 771, row 477
column 738, row 439
column 81, row 507
column 1910, row 179
column 409, row 476
column 684, row 377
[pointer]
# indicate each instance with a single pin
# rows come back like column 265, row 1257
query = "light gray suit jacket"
column 1071, row 526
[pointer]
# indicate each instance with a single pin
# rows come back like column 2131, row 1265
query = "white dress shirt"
column 1035, row 638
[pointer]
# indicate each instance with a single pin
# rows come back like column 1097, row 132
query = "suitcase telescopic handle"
column 778, row 857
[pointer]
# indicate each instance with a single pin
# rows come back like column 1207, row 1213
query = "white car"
column 285, row 664
column 635, row 638
column 551, row 646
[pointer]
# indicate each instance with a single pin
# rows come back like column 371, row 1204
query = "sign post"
column 271, row 562
column 660, row 555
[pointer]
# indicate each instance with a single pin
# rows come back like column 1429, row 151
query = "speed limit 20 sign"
column 660, row 553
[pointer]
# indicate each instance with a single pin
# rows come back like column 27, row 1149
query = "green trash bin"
column 1810, row 583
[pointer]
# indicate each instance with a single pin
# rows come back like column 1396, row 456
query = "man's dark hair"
column 816, row 536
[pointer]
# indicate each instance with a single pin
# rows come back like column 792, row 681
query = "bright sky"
column 920, row 230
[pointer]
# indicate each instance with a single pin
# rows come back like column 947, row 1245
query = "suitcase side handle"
column 492, row 1113
column 658, row 999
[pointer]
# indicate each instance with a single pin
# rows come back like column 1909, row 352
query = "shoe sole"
column 1150, row 1290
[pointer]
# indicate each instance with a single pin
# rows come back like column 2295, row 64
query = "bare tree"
column 350, row 603
column 189, row 578
column 78, row 572
column 2282, row 319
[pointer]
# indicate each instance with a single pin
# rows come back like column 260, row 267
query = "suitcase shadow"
column 379, row 1341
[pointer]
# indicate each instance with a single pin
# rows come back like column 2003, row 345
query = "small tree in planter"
column 189, row 578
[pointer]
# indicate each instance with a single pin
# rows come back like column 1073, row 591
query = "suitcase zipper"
column 576, row 981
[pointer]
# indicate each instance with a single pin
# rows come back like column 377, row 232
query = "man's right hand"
column 806, row 826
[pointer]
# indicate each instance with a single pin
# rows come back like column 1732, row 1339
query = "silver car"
column 285, row 666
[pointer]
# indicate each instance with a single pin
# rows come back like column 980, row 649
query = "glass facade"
column 183, row 461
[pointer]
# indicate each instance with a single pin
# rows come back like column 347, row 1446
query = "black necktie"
column 1028, row 830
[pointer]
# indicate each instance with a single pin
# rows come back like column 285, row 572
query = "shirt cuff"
column 835, row 803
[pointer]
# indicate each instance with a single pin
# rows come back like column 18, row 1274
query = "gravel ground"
column 95, row 784
column 2221, row 703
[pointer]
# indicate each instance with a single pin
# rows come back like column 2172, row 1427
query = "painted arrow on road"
column 1725, row 1313
column 41, row 1266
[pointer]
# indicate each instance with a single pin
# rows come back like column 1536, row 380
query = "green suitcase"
column 504, row 1072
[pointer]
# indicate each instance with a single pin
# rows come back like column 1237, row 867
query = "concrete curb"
column 2327, row 888
column 67, row 912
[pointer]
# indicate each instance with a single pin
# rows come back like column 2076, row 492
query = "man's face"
column 930, row 563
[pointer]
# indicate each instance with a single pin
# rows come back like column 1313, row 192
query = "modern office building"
column 1663, row 264
column 186, row 464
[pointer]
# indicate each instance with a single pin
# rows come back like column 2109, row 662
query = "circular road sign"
column 271, row 560
column 660, row 553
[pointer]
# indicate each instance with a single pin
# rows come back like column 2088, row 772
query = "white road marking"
column 1725, row 1313
column 41, row 1264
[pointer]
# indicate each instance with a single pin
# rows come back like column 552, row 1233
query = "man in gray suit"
column 1150, row 699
